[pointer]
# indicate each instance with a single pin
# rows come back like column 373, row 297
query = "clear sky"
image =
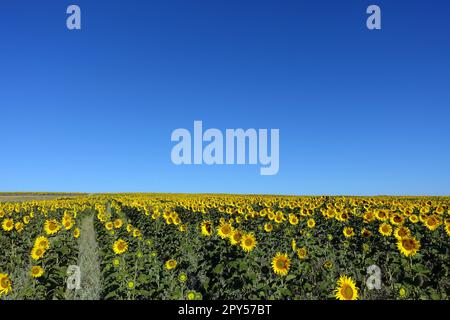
column 359, row 112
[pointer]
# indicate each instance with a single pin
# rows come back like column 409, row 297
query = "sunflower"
column 402, row 232
column 381, row 215
column 207, row 228
column 248, row 242
column 36, row 271
column 447, row 228
column 311, row 223
column 348, row 232
column 408, row 246
column 346, row 289
column 109, row 225
column 365, row 233
column 432, row 223
column 5, row 284
column 293, row 220
column 328, row 264
column 120, row 246
column 68, row 224
column 191, row 295
column 42, row 242
column 342, row 216
column 76, row 233
column 440, row 210
column 413, row 218
column 8, row 224
column 101, row 217
column 281, row 264
column 236, row 237
column 166, row 214
column 225, row 230
column 424, row 210
column 268, row 227
column 176, row 220
column 156, row 215
column 19, row 227
column 369, row 217
column 137, row 233
column 302, row 253
column 51, row 227
column 278, row 218
column 402, row 292
column 385, row 229
column 396, row 219
column 118, row 223
column 171, row 264
column 182, row 277
column 37, row 253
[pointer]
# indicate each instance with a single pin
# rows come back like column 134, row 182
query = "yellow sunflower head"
column 68, row 224
column 432, row 223
column 413, row 218
column 293, row 219
column 396, row 219
column 248, row 242
column 408, row 246
column 42, row 242
column 182, row 277
column 118, row 223
column 51, row 227
column 302, row 253
column 402, row 232
column 348, row 232
column 120, row 246
column 281, row 264
column 5, row 284
column 36, row 271
column 19, row 227
column 365, row 233
column 207, row 228
column 171, row 264
column 225, row 230
column 311, row 223
column 385, row 229
column 191, row 295
column 236, row 237
column 447, row 228
column 37, row 253
column 268, row 227
column 346, row 289
column 8, row 224
column 109, row 226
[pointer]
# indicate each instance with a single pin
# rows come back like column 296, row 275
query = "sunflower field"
column 231, row 247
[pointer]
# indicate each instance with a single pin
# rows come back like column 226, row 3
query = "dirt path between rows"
column 88, row 262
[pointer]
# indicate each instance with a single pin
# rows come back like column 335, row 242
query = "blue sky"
column 359, row 112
